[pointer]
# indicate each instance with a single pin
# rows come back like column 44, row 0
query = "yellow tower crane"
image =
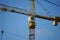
column 31, row 17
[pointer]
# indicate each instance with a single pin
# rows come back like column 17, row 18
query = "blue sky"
column 15, row 26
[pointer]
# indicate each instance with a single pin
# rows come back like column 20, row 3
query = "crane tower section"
column 31, row 21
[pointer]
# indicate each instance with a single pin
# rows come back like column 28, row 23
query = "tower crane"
column 31, row 17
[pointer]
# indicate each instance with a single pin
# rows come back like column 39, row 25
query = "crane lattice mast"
column 31, row 20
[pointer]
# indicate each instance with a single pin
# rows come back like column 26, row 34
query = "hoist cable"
column 44, row 8
column 52, row 3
